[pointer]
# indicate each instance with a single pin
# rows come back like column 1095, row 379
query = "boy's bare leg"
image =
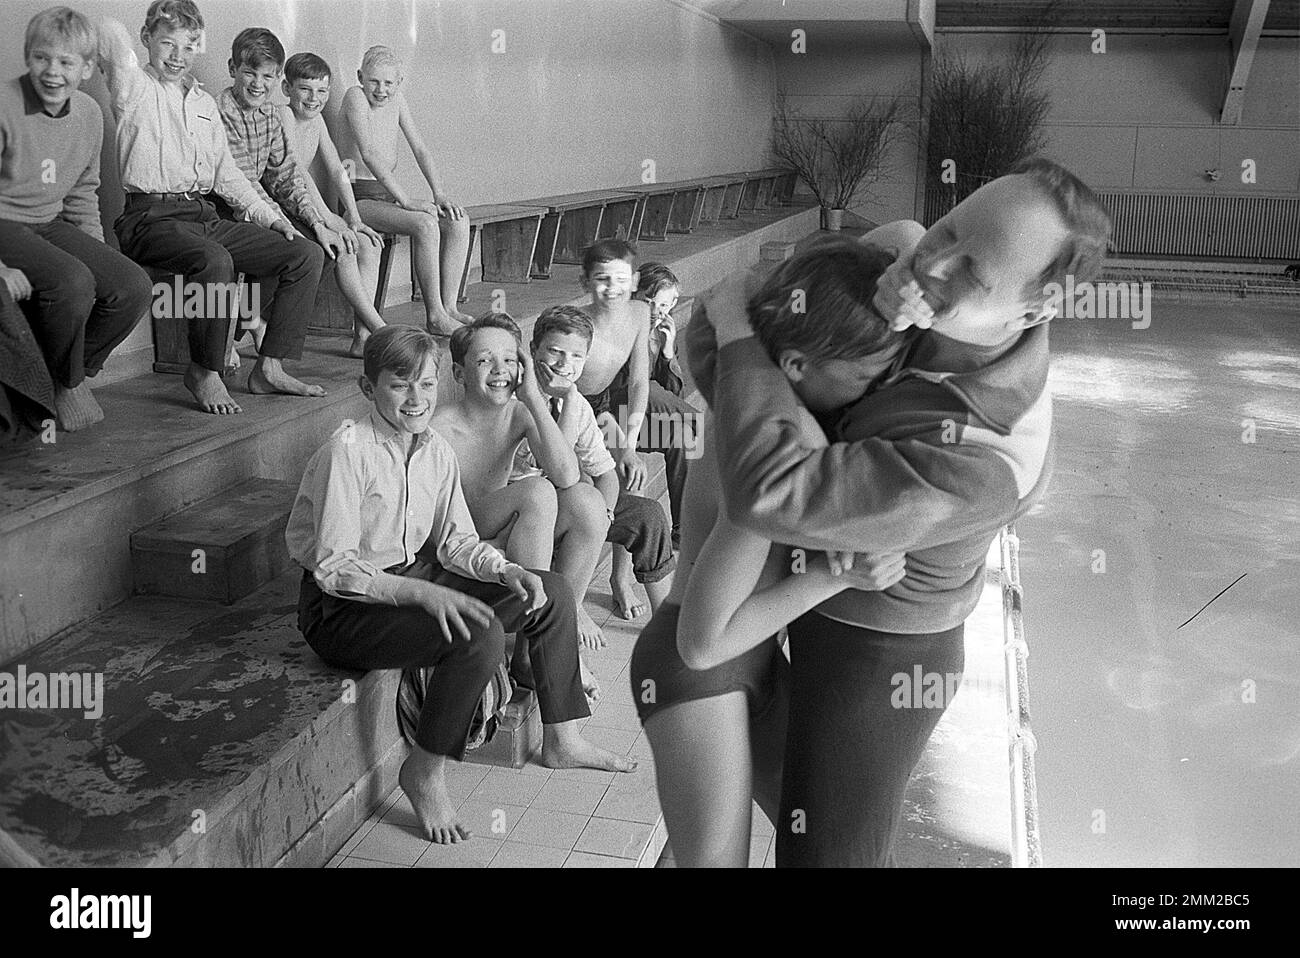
column 423, row 779
column 209, row 391
column 268, row 376
column 703, row 770
column 368, row 256
column 579, row 531
column 426, row 247
column 622, row 583
column 656, row 592
column 564, row 747
column 364, row 315
column 531, row 504
column 455, row 249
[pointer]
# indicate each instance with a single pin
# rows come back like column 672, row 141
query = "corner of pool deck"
column 225, row 741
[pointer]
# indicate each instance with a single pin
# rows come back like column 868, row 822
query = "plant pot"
column 832, row 220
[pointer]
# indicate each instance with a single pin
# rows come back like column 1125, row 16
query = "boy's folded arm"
column 872, row 495
column 555, row 455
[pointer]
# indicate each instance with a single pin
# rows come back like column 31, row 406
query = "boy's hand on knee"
column 449, row 209
column 632, row 470
column 455, row 611
column 285, row 229
column 16, row 282
column 330, row 240
column 526, row 585
column 361, row 229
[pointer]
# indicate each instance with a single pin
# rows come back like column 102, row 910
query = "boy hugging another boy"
column 80, row 297
column 616, row 381
column 598, row 509
column 374, row 113
column 307, row 85
column 380, row 503
column 173, row 156
column 504, row 404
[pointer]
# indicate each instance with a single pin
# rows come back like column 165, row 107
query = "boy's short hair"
column 378, row 55
column 61, row 25
column 819, row 303
column 403, row 350
column 654, row 278
column 255, row 46
column 461, row 337
column 562, row 319
column 306, row 66
column 606, row 251
column 176, row 14
column 1086, row 218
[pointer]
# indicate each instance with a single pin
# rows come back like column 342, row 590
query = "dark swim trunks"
column 660, row 678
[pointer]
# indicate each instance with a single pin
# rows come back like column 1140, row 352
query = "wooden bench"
column 507, row 235
column 721, row 198
column 669, row 208
column 573, row 221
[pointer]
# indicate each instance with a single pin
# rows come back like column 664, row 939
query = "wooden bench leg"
column 764, row 198
column 654, row 221
column 508, row 250
column 731, row 201
column 548, row 235
column 462, row 293
column 749, row 197
column 385, row 266
column 682, row 213
column 579, row 229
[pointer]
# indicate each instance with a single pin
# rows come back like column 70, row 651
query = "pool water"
column 1168, row 731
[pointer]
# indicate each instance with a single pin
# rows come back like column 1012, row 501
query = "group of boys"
column 418, row 527
column 425, row 532
column 214, row 188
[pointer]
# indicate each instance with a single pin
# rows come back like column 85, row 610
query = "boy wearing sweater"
column 80, row 297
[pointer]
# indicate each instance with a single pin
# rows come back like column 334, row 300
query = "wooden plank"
column 657, row 211
column 571, row 201
column 684, row 214
column 711, row 207
column 548, row 236
column 578, row 229
column 1243, row 35
column 621, row 219
column 731, row 203
column 749, row 197
column 507, row 246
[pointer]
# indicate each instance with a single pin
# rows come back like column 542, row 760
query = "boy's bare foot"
column 359, row 336
column 626, row 603
column 444, row 324
column 589, row 633
column 433, row 807
column 268, row 376
column 210, row 392
column 77, row 407
column 590, row 686
column 579, row 753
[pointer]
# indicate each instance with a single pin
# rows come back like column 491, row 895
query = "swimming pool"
column 1169, row 732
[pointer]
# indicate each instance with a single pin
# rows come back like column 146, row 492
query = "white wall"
column 1144, row 115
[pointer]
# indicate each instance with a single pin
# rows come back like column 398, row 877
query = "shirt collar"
column 230, row 104
column 32, row 103
column 385, row 432
column 189, row 83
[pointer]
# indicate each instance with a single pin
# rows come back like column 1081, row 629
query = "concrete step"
column 223, row 741
column 220, row 549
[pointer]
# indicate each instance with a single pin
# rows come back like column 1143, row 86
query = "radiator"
column 1177, row 224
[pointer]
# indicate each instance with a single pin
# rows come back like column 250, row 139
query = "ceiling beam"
column 1243, row 36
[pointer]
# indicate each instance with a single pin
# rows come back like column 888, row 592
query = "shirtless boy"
column 616, row 381
column 307, row 85
column 374, row 113
column 503, row 405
